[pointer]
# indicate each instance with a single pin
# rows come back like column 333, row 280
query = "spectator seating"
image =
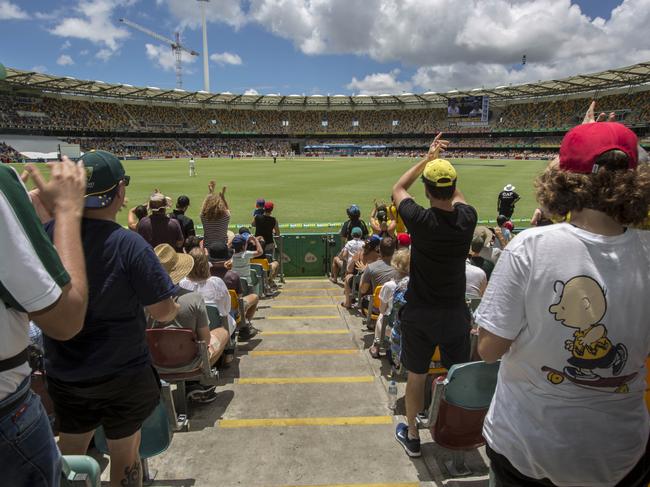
column 458, row 407
column 174, row 351
column 156, row 438
column 80, row 471
column 236, row 306
column 216, row 321
column 371, row 313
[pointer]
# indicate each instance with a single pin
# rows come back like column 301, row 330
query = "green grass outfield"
column 307, row 190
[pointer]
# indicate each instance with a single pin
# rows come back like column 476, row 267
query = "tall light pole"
column 206, row 71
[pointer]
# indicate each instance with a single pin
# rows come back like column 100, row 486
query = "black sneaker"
column 247, row 333
column 411, row 447
column 201, row 394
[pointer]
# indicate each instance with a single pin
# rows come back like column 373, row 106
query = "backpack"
column 399, row 300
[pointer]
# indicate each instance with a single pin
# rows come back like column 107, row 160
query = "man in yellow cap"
column 435, row 314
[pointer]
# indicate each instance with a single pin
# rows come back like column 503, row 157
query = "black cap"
column 218, row 251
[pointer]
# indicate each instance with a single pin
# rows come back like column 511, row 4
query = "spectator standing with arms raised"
column 50, row 289
column 567, row 313
column 435, row 313
column 215, row 216
column 104, row 376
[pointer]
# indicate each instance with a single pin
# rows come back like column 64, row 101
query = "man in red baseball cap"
column 567, row 313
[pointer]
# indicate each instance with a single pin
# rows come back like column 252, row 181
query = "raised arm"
column 222, row 195
column 65, row 190
column 400, row 189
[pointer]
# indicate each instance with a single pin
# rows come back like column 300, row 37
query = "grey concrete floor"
column 220, row 450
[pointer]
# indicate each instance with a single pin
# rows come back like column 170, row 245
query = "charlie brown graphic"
column 582, row 306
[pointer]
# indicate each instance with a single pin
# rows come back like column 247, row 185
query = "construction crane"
column 176, row 46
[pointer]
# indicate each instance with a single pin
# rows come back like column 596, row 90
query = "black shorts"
column 506, row 475
column 120, row 404
column 425, row 327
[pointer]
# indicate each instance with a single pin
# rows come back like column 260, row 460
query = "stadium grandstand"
column 149, row 122
column 222, row 347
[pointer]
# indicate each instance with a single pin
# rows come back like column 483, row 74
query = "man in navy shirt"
column 104, row 376
column 435, row 313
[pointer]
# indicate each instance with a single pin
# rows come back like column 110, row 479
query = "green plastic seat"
column 471, row 385
column 80, row 471
column 156, row 434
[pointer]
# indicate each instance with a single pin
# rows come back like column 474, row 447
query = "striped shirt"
column 31, row 273
column 216, row 230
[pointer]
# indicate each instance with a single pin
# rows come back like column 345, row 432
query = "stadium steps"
column 302, row 405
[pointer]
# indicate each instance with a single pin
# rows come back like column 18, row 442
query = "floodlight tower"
column 206, row 71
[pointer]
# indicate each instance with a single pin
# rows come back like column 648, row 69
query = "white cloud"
column 188, row 12
column 66, row 45
column 64, row 60
column 462, row 43
column 251, row 91
column 104, row 54
column 378, row 83
column 225, row 58
column 84, row 52
column 39, row 69
column 94, row 23
column 10, row 11
column 164, row 58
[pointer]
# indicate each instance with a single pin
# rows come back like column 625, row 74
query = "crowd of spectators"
column 57, row 113
column 429, row 261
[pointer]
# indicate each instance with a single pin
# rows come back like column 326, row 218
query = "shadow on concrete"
column 207, row 415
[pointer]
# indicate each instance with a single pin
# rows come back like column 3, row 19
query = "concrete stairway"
column 302, row 404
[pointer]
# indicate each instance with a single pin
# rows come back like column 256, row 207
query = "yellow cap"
column 439, row 173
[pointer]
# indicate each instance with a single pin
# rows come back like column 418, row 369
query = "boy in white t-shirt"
column 241, row 259
column 567, row 312
column 350, row 248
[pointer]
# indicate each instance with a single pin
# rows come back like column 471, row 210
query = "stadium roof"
column 635, row 75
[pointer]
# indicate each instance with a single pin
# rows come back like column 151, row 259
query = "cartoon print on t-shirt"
column 582, row 306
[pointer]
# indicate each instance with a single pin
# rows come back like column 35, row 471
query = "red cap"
column 268, row 206
column 509, row 225
column 403, row 239
column 583, row 144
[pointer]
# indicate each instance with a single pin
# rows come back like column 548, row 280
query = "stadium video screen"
column 468, row 106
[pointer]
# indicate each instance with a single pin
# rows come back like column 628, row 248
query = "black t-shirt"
column 187, row 224
column 440, row 243
column 507, row 200
column 346, row 229
column 264, row 225
column 486, row 265
column 124, row 275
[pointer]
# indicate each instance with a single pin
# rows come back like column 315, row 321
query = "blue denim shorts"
column 28, row 453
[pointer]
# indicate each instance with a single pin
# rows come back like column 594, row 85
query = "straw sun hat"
column 177, row 265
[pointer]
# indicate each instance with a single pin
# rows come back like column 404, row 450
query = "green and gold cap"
column 104, row 172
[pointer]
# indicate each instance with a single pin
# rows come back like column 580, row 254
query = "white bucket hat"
column 509, row 187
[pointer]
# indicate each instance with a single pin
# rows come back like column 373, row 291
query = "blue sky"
column 326, row 47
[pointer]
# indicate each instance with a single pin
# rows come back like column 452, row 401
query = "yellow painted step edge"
column 330, row 421
column 339, row 331
column 306, row 380
column 298, row 317
column 268, row 353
